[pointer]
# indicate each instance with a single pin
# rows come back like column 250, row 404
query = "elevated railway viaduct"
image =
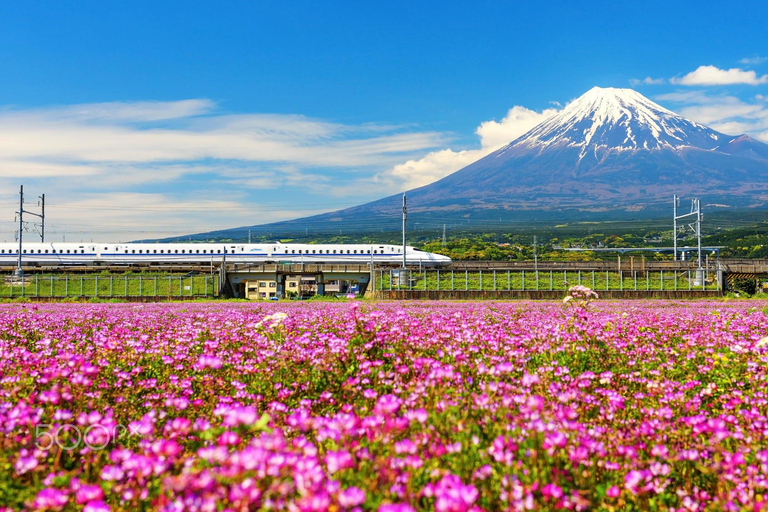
column 232, row 277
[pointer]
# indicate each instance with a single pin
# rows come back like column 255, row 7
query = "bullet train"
column 203, row 253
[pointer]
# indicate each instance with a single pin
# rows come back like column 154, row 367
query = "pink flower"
column 50, row 499
column 351, row 497
column 388, row 404
column 451, row 495
column 337, row 460
column 552, row 491
column 96, row 506
column 86, row 493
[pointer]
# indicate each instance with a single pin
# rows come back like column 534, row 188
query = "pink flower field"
column 384, row 406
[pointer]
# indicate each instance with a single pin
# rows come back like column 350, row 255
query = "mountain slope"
column 609, row 153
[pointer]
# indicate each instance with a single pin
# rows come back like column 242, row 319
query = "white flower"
column 567, row 299
column 762, row 343
column 273, row 320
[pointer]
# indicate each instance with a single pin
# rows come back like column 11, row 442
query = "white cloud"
column 646, row 81
column 753, row 61
column 438, row 164
column 722, row 112
column 711, row 75
column 127, row 154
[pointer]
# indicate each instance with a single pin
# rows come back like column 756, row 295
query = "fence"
column 112, row 286
column 529, row 280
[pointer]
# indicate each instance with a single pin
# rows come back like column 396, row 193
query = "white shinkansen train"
column 202, row 253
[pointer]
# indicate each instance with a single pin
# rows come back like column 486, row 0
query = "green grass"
column 558, row 280
column 107, row 286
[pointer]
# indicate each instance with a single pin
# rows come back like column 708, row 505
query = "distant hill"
column 611, row 154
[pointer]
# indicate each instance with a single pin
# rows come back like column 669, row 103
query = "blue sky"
column 152, row 118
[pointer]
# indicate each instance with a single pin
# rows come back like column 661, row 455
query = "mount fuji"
column 609, row 154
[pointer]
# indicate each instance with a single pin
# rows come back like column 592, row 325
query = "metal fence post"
column 635, row 276
column 438, row 279
column 206, row 285
column 111, row 285
column 621, row 280
column 522, row 280
column 466, row 279
column 494, row 279
column 96, row 287
column 689, row 280
column 661, row 286
column 593, row 279
column 37, row 289
column 647, row 280
column 126, row 284
column 52, row 286
column 509, row 281
column 551, row 280
column 607, row 280
column 481, row 280
column 579, row 277
column 141, row 292
column 81, row 286
column 66, row 285
column 452, row 288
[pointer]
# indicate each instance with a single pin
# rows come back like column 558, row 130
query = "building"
column 266, row 289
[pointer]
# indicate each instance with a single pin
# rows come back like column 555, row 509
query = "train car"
column 62, row 254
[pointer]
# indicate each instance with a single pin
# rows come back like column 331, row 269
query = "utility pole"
column 19, row 272
column 695, row 210
column 699, row 216
column 41, row 203
column 405, row 214
column 443, row 235
column 675, row 202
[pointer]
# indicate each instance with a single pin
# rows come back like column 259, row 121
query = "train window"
column 176, row 251
column 203, row 251
column 182, row 251
column 46, row 251
column 133, row 251
column 105, row 248
column 24, row 251
column 198, row 251
column 82, row 251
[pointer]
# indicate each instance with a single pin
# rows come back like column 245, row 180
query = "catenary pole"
column 674, row 227
column 405, row 214
column 19, row 270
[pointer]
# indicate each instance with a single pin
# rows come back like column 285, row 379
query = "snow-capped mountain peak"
column 611, row 119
